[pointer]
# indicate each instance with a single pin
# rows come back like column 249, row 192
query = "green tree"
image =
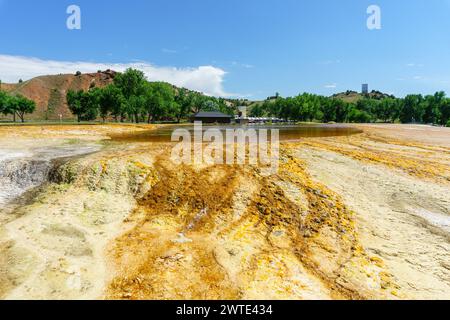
column 368, row 105
column 160, row 101
column 359, row 116
column 85, row 105
column 387, row 110
column 257, row 110
column 285, row 107
column 184, row 100
column 445, row 112
column 24, row 106
column 11, row 106
column 111, row 102
column 135, row 107
column 328, row 109
column 413, row 109
column 90, row 102
column 432, row 107
column 3, row 99
column 133, row 84
column 74, row 103
column 305, row 107
column 342, row 110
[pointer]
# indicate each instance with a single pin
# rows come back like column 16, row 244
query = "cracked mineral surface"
column 87, row 215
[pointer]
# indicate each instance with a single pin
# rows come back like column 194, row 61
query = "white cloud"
column 412, row 65
column 331, row 86
column 206, row 79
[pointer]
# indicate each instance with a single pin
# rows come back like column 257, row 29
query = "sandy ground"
column 434, row 136
column 401, row 219
column 360, row 217
column 47, row 133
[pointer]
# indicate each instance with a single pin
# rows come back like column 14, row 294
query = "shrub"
column 359, row 116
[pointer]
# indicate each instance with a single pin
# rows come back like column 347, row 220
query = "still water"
column 287, row 132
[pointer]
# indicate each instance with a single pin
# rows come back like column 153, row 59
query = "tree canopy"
column 415, row 108
column 16, row 105
column 131, row 97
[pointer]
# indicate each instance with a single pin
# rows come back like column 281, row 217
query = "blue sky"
column 249, row 48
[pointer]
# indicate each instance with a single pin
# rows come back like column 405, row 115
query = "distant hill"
column 49, row 92
column 353, row 96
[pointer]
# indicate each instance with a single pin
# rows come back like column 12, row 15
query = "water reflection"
column 287, row 132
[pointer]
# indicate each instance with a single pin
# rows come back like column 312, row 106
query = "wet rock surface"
column 22, row 170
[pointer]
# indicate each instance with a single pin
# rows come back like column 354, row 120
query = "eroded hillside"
column 49, row 92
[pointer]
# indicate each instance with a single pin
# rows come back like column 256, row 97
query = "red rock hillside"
column 49, row 92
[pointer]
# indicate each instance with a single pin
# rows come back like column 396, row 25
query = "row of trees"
column 431, row 109
column 16, row 105
column 132, row 98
